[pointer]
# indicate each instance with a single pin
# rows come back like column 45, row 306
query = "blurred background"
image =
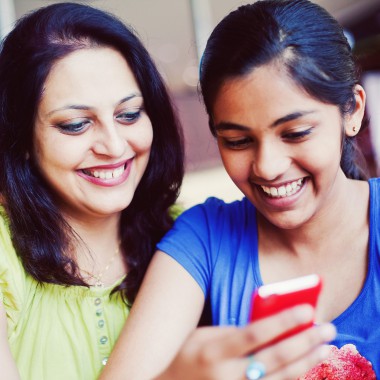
column 175, row 32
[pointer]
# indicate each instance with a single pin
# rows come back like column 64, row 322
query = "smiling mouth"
column 105, row 173
column 285, row 190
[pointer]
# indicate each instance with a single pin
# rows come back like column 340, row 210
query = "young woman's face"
column 92, row 137
column 281, row 147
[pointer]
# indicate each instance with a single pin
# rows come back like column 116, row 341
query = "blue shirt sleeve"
column 189, row 242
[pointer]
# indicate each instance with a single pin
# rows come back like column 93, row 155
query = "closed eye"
column 74, row 127
column 236, row 144
column 299, row 135
column 129, row 117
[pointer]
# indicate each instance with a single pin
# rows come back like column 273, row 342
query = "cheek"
column 142, row 139
column 237, row 165
column 41, row 152
column 328, row 149
column 52, row 155
column 321, row 159
column 147, row 138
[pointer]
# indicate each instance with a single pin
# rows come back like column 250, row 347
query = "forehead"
column 265, row 94
column 87, row 75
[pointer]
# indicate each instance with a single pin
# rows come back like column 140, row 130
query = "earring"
column 354, row 129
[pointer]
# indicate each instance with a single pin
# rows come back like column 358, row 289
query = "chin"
column 110, row 209
column 287, row 222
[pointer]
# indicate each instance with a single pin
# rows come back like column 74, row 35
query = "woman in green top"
column 90, row 162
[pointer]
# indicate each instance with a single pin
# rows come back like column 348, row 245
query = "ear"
column 353, row 121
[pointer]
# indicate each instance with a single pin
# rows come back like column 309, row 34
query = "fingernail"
column 328, row 332
column 323, row 352
column 303, row 313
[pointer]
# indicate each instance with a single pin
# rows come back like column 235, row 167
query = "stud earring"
column 354, row 129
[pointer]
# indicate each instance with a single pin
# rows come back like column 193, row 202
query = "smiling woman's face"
column 92, row 137
column 280, row 146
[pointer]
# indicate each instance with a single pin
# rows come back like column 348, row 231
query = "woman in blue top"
column 281, row 90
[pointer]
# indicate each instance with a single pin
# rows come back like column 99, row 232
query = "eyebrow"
column 86, row 108
column 129, row 97
column 225, row 126
column 290, row 117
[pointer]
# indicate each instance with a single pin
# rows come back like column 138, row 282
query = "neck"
column 98, row 241
column 97, row 234
column 340, row 217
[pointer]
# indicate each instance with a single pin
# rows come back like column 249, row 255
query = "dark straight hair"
column 40, row 234
column 304, row 38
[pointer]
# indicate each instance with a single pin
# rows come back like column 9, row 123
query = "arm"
column 160, row 341
column 167, row 309
column 8, row 366
column 223, row 353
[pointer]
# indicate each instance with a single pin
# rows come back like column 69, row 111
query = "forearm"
column 166, row 311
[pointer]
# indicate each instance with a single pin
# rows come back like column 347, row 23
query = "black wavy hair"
column 307, row 41
column 41, row 236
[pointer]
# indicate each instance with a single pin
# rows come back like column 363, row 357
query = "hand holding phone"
column 273, row 298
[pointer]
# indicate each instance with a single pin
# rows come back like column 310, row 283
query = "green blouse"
column 56, row 332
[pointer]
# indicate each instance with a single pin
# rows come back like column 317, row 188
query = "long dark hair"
column 41, row 236
column 307, row 41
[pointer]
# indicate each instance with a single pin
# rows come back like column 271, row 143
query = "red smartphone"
column 273, row 298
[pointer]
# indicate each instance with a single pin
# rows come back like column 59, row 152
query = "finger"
column 301, row 366
column 267, row 329
column 294, row 356
column 295, row 348
column 235, row 342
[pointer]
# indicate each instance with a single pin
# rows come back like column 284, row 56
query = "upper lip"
column 277, row 185
column 108, row 166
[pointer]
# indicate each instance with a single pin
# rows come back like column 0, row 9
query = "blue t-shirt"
column 217, row 244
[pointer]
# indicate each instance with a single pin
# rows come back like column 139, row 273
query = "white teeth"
column 273, row 191
column 106, row 174
column 283, row 191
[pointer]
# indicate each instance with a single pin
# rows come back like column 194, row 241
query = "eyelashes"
column 247, row 141
column 73, row 128
column 237, row 144
column 298, row 135
column 80, row 125
column 129, row 117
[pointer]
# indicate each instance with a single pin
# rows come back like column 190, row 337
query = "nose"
column 109, row 141
column 270, row 161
